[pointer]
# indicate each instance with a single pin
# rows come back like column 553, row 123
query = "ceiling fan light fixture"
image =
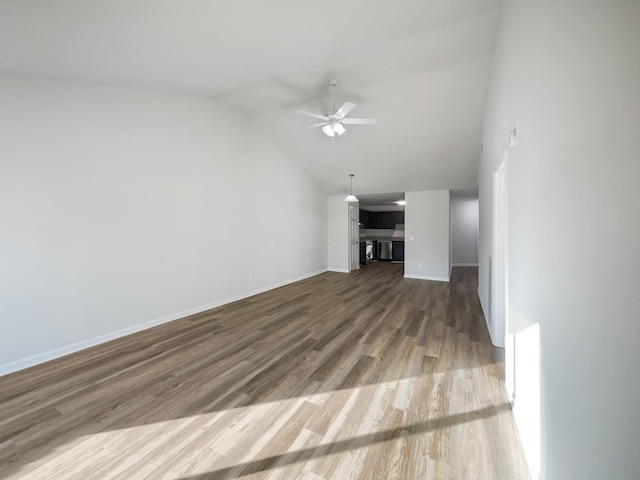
column 351, row 197
column 338, row 128
column 328, row 131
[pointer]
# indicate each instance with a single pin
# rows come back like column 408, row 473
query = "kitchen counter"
column 364, row 238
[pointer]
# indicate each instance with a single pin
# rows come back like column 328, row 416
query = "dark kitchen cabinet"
column 398, row 217
column 381, row 220
column 376, row 220
column 365, row 219
column 384, row 220
column 388, row 220
column 397, row 251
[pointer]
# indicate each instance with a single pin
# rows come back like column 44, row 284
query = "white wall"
column 121, row 208
column 567, row 74
column 464, row 231
column 338, row 234
column 426, row 219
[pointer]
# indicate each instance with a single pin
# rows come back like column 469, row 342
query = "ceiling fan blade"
column 314, row 115
column 321, row 124
column 345, row 109
column 359, row 121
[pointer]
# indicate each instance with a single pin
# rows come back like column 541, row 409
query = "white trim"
column 486, row 319
column 493, row 341
column 92, row 342
column 338, row 270
column 464, row 264
column 422, row 277
column 485, row 311
column 354, row 238
column 499, row 250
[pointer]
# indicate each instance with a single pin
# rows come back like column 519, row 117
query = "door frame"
column 499, row 274
column 354, row 238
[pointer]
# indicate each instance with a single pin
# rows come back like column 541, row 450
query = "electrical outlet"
column 251, row 278
column 309, row 263
column 419, row 265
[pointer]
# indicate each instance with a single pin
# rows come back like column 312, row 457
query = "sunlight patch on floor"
column 232, row 439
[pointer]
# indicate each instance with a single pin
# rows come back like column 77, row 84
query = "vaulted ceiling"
column 420, row 67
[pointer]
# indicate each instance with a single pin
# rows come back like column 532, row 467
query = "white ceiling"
column 420, row 67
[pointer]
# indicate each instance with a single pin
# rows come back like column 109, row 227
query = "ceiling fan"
column 333, row 125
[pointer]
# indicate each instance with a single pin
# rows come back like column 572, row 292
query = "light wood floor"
column 359, row 376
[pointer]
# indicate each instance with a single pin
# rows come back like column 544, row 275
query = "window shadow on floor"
column 361, row 441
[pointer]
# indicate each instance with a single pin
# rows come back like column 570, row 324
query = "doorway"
column 382, row 229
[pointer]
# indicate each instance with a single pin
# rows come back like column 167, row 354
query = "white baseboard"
column 422, row 277
column 484, row 308
column 486, row 319
column 92, row 342
column 464, row 264
column 338, row 270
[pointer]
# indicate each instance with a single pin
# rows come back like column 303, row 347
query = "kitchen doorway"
column 381, row 228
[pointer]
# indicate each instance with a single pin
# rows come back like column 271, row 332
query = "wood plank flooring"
column 360, row 376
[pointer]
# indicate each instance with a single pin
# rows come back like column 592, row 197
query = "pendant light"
column 351, row 197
